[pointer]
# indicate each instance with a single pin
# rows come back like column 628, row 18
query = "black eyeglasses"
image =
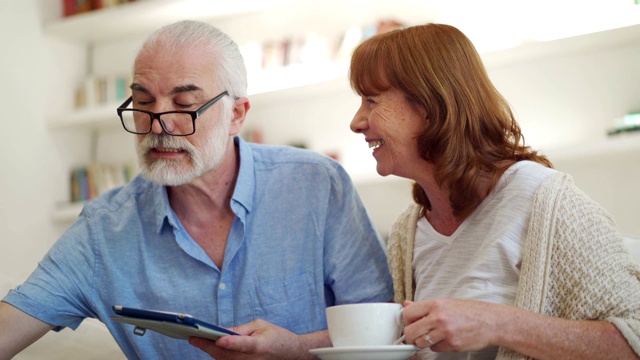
column 184, row 122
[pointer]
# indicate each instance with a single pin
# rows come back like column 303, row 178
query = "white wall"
column 29, row 178
column 569, row 102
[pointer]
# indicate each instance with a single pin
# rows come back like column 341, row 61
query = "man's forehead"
column 171, row 55
column 186, row 88
column 167, row 72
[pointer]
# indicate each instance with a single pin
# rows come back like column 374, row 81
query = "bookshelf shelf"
column 146, row 15
column 98, row 117
column 66, row 213
column 531, row 50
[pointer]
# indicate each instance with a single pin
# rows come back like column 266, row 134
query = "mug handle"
column 400, row 322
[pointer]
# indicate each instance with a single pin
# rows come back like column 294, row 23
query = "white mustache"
column 165, row 141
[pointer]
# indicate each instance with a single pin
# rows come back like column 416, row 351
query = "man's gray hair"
column 232, row 73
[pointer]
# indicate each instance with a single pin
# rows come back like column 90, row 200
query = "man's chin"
column 167, row 172
column 168, row 181
column 168, row 177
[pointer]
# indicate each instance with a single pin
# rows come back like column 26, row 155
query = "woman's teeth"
column 375, row 144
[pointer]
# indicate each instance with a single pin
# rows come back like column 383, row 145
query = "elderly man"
column 258, row 239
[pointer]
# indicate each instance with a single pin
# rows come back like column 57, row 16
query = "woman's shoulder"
column 530, row 169
column 525, row 176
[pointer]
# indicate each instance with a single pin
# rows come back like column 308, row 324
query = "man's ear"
column 240, row 108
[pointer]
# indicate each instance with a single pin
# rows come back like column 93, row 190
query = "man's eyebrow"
column 175, row 90
column 185, row 88
column 138, row 87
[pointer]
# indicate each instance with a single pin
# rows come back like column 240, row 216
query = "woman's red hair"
column 470, row 133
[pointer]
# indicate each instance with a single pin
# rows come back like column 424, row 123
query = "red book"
column 69, row 7
column 97, row 4
column 83, row 6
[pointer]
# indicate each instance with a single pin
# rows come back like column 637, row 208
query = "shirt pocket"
column 290, row 301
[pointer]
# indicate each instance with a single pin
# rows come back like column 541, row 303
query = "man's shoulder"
column 116, row 199
column 272, row 155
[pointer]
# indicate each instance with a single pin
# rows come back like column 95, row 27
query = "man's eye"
column 141, row 103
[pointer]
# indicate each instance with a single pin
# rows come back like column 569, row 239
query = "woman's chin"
column 382, row 171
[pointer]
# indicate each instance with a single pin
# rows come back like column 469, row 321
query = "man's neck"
column 209, row 194
column 204, row 206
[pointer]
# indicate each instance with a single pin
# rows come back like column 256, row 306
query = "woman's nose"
column 358, row 123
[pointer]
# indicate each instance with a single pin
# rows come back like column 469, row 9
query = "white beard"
column 178, row 172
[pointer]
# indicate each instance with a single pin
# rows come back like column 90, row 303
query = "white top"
column 481, row 259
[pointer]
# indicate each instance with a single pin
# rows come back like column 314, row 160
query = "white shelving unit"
column 90, row 118
column 145, row 15
column 67, row 212
column 131, row 18
column 532, row 50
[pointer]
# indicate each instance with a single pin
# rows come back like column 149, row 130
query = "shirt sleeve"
column 356, row 268
column 57, row 291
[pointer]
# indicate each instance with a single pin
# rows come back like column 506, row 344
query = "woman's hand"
column 452, row 324
column 469, row 325
column 262, row 340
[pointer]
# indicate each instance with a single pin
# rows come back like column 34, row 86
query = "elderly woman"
column 501, row 255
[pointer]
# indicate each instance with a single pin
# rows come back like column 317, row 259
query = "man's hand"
column 260, row 339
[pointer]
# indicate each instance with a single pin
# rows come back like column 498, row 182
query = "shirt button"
column 222, row 286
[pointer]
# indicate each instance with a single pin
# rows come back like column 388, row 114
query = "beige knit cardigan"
column 574, row 265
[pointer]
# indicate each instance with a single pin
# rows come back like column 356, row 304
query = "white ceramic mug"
column 365, row 324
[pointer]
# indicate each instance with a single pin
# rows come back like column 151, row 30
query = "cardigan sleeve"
column 575, row 264
column 593, row 276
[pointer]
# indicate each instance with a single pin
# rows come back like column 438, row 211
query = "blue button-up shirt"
column 300, row 241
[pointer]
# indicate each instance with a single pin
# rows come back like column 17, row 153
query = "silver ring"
column 428, row 338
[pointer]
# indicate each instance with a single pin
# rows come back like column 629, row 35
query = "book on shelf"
column 628, row 123
column 101, row 90
column 310, row 48
column 87, row 182
column 75, row 7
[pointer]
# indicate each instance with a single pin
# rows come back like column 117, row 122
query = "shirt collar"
column 243, row 193
column 163, row 209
